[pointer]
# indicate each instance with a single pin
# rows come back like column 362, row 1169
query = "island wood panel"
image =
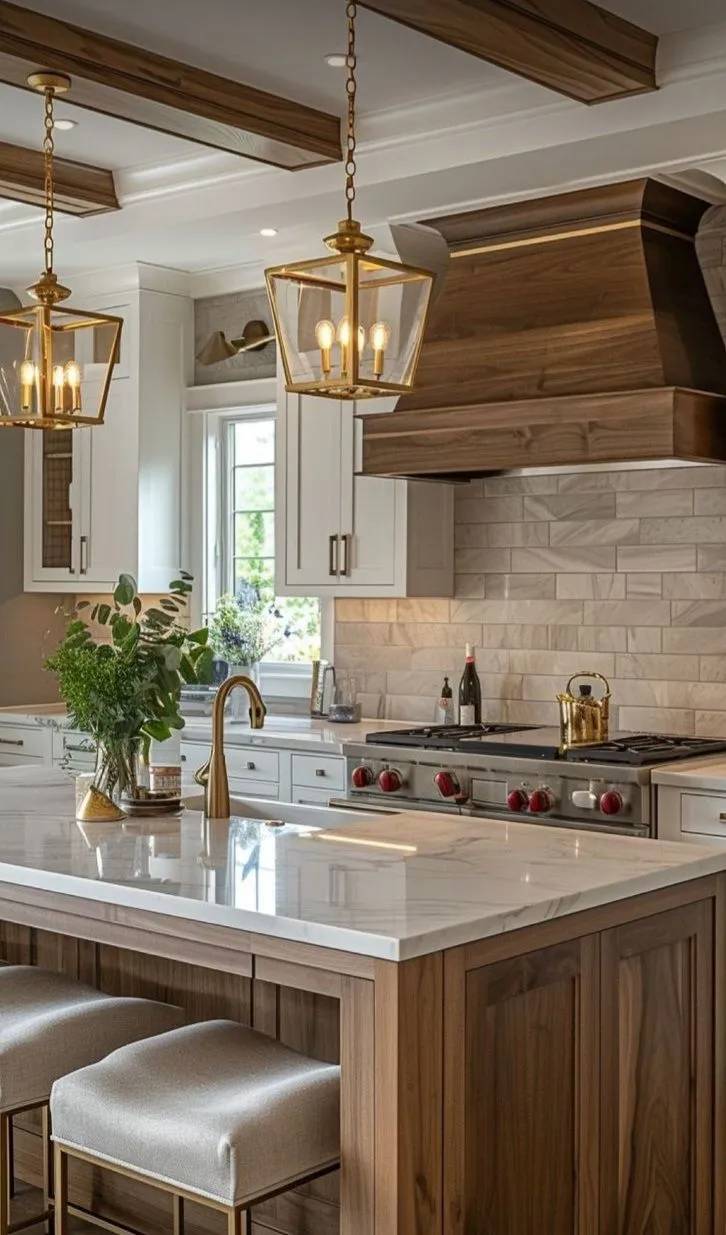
column 409, row 1096
column 521, row 1081
column 658, row 1075
column 574, row 47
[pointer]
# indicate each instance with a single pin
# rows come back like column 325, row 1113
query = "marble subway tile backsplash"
column 622, row 571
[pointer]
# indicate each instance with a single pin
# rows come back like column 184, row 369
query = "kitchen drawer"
column 72, row 748
column 311, row 797
column 253, row 763
column 28, row 741
column 8, row 760
column 239, row 787
column 319, row 772
column 703, row 814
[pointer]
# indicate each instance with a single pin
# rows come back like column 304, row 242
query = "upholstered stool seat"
column 50, row 1025
column 215, row 1111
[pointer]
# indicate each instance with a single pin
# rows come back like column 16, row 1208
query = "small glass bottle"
column 445, row 705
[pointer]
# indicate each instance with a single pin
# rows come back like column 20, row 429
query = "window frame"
column 280, row 680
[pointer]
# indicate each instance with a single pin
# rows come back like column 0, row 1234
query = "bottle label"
column 466, row 714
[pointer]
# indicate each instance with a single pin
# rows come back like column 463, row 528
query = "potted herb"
column 121, row 681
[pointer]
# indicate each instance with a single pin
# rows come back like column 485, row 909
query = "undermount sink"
column 269, row 810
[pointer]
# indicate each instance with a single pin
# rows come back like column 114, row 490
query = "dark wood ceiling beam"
column 572, row 46
column 78, row 188
column 145, row 88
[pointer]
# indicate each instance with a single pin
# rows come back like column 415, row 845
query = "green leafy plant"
column 246, row 627
column 121, row 681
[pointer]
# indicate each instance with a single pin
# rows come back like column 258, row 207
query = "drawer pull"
column 250, row 766
column 12, row 742
column 183, row 758
column 722, row 816
column 80, row 750
column 320, row 771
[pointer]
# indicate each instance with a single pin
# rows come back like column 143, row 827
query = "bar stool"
column 49, row 1025
column 214, row 1113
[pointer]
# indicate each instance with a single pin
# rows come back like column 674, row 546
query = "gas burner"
column 443, row 737
column 644, row 749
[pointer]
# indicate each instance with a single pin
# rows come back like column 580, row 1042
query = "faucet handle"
column 201, row 776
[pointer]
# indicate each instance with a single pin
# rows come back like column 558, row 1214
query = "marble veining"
column 389, row 886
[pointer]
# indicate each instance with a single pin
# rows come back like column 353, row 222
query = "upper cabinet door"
column 54, row 478
column 308, row 493
column 108, row 542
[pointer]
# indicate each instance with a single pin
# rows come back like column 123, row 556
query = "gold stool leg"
column 60, row 1208
column 234, row 1221
column 47, row 1162
column 5, row 1174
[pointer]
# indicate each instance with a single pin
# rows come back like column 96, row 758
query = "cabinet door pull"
column 722, row 817
column 347, row 547
column 333, row 556
column 12, row 742
column 250, row 766
column 320, row 771
column 84, row 555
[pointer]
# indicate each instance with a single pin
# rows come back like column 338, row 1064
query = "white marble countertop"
column 299, row 733
column 706, row 773
column 394, row 886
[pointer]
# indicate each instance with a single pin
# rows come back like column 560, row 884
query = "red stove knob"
column 611, row 803
column 447, row 784
column 390, row 781
column 362, row 777
column 517, row 801
column 540, row 801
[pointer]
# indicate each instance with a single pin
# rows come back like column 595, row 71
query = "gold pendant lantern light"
column 349, row 326
column 51, row 376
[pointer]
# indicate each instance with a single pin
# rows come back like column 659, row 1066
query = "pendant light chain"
column 48, row 150
column 351, row 86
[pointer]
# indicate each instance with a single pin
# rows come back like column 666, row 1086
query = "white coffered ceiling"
column 439, row 130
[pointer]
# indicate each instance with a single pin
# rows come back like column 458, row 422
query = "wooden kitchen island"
column 529, row 1021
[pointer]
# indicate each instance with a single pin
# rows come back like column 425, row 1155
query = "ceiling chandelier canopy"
column 55, row 363
column 349, row 326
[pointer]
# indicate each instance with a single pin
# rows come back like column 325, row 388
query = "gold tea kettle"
column 584, row 720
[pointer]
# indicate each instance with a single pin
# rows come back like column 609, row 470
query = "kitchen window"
column 240, row 541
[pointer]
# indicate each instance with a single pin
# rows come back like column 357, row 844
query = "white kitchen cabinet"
column 340, row 534
column 690, row 814
column 106, row 500
column 24, row 745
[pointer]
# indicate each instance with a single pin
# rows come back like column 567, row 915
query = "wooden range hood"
column 570, row 330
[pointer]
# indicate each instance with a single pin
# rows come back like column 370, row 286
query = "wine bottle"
column 470, row 692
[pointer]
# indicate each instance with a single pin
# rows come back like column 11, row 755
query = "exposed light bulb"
column 73, row 381
column 65, row 125
column 344, row 341
column 58, row 385
column 325, row 338
column 268, row 231
column 380, row 338
column 28, row 376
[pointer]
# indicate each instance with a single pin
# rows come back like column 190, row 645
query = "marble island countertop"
column 392, row 887
column 297, row 733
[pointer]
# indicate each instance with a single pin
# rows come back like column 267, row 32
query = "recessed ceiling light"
column 336, row 60
column 268, row 231
column 64, row 125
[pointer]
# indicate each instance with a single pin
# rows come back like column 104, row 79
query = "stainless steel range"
column 518, row 772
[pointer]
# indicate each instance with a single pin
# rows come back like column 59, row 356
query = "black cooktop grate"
column 442, row 737
column 639, row 749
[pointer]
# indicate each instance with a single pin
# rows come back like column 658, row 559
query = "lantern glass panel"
column 349, row 326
